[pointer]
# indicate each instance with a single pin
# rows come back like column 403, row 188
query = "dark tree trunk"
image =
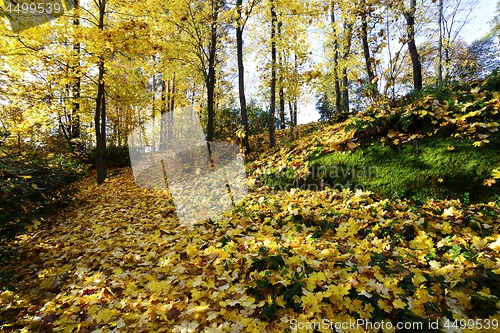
column 366, row 52
column 241, row 77
column 163, row 111
column 170, row 116
column 290, row 108
column 211, row 77
column 412, row 47
column 345, row 80
column 281, row 92
column 282, row 107
column 76, row 86
column 336, row 81
column 295, row 113
column 345, row 91
column 100, row 112
column 272, row 108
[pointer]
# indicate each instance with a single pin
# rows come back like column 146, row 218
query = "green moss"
column 397, row 171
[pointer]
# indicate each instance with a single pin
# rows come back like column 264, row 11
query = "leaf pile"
column 118, row 261
column 471, row 113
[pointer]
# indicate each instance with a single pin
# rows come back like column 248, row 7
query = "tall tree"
column 272, row 107
column 100, row 108
column 409, row 15
column 240, row 26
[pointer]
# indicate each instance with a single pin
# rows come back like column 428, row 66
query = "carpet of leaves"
column 118, row 261
column 472, row 114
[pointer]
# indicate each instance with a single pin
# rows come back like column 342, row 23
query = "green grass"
column 397, row 171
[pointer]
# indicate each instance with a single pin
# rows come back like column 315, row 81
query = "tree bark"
column 336, row 81
column 76, row 86
column 272, row 108
column 211, row 78
column 412, row 47
column 100, row 112
column 366, row 52
column 163, row 111
column 170, row 116
column 345, row 80
column 241, row 77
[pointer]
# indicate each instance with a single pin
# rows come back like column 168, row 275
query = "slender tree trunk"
column 282, row 107
column 281, row 91
column 170, row 116
column 100, row 112
column 345, row 80
column 272, row 109
column 440, row 47
column 76, row 86
column 153, row 110
column 412, row 47
column 290, row 108
column 345, row 91
column 366, row 52
column 336, row 81
column 163, row 111
column 241, row 77
column 211, row 77
column 295, row 113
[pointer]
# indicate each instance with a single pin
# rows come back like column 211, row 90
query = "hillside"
column 117, row 260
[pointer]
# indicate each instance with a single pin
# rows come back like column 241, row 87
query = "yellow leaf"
column 489, row 182
column 191, row 250
column 450, row 148
column 479, row 243
column 104, row 316
column 399, row 304
column 33, row 226
column 418, row 279
column 440, row 180
column 314, row 279
column 496, row 173
column 280, row 300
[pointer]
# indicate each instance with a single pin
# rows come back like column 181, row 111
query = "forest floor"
column 116, row 259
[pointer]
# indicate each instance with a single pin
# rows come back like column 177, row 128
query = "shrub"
column 28, row 186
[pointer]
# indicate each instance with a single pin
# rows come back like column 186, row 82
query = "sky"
column 478, row 27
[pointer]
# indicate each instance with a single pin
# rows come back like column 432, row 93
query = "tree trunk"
column 170, row 116
column 272, row 108
column 281, row 92
column 336, row 81
column 345, row 80
column 290, row 108
column 211, row 79
column 295, row 113
column 366, row 51
column 440, row 47
column 345, row 91
column 100, row 112
column 282, row 107
column 76, row 86
column 241, row 78
column 163, row 111
column 412, row 47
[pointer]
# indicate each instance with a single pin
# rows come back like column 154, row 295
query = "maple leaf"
column 489, row 182
column 104, row 316
column 399, row 304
